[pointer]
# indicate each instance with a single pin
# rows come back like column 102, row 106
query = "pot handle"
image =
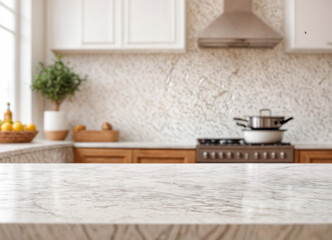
column 286, row 120
column 241, row 125
column 265, row 110
column 240, row 119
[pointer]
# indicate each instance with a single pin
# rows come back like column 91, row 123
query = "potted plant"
column 56, row 82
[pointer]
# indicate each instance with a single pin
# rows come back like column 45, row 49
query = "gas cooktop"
column 233, row 141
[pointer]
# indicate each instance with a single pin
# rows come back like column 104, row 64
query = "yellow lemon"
column 6, row 127
column 31, row 127
column 18, row 127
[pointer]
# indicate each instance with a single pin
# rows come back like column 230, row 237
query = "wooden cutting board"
column 96, row 136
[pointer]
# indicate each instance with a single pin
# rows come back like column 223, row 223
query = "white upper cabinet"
column 309, row 26
column 101, row 23
column 154, row 24
column 64, row 24
column 83, row 25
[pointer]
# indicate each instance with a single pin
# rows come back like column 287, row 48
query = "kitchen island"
column 212, row 201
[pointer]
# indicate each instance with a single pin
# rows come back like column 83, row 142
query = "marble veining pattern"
column 167, row 97
column 212, row 201
column 187, row 194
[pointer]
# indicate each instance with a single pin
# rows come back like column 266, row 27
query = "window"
column 8, row 52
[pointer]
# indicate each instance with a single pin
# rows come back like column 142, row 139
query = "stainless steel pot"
column 264, row 121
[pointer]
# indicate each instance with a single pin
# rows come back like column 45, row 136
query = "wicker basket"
column 17, row 137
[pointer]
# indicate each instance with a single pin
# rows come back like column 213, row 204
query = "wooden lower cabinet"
column 313, row 156
column 164, row 156
column 100, row 155
column 91, row 155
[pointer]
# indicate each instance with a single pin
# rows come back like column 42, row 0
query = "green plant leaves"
column 56, row 81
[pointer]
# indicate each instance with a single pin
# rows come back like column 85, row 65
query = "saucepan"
column 263, row 121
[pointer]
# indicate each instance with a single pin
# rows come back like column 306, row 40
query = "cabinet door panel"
column 83, row 25
column 164, row 156
column 306, row 156
column 65, row 24
column 88, row 155
column 98, row 21
column 154, row 24
column 151, row 21
column 101, row 23
column 313, row 23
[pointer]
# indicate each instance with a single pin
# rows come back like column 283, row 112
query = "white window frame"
column 16, row 33
column 29, row 51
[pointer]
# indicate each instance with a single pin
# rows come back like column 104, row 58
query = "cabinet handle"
column 329, row 43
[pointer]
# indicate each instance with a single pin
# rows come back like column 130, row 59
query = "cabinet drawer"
column 318, row 156
column 89, row 155
column 164, row 156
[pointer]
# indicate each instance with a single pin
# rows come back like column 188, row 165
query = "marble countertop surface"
column 180, row 145
column 166, row 194
column 20, row 148
column 147, row 145
column 44, row 144
column 187, row 202
column 313, row 146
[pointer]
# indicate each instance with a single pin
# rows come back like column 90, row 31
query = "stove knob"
column 265, row 155
column 282, row 155
column 238, row 155
column 246, row 156
column 205, row 155
column 256, row 155
column 229, row 155
column 273, row 155
column 221, row 155
column 213, row 155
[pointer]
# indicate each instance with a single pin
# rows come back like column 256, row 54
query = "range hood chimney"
column 238, row 27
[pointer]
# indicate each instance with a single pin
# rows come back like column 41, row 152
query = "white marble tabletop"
column 143, row 195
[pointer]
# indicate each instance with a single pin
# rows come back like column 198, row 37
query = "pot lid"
column 260, row 116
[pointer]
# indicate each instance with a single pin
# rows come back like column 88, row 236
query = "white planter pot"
column 56, row 125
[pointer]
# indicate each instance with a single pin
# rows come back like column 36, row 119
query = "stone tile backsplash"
column 172, row 97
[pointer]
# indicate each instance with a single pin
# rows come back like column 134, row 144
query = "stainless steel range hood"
column 238, row 27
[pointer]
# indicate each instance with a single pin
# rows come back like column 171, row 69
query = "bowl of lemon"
column 16, row 132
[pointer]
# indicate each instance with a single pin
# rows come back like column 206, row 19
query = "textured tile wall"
column 57, row 155
column 168, row 97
